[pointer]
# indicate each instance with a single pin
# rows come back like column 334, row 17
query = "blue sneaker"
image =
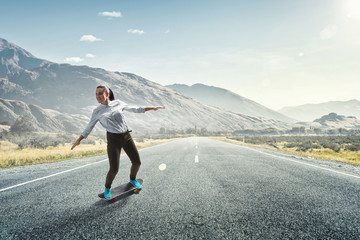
column 135, row 183
column 107, row 193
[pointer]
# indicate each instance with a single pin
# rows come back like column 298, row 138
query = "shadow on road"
column 122, row 198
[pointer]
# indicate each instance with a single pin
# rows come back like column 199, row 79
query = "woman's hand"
column 157, row 108
column 154, row 108
column 77, row 142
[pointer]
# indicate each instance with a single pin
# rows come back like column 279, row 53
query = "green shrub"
column 353, row 147
column 304, row 143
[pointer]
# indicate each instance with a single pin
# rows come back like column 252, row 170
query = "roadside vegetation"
column 337, row 148
column 11, row 155
column 18, row 148
column 16, row 156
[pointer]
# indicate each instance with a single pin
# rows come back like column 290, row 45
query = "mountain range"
column 61, row 97
column 66, row 90
column 310, row 112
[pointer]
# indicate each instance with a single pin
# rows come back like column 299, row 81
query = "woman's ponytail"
column 111, row 95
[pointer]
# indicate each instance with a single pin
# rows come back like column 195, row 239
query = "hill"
column 334, row 120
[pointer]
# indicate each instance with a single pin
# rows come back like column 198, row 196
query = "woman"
column 109, row 114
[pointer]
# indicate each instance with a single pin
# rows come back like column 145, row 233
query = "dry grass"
column 4, row 146
column 12, row 156
column 352, row 157
column 19, row 157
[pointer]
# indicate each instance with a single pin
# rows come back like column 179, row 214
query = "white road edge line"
column 311, row 165
column 55, row 174
column 196, row 158
column 49, row 176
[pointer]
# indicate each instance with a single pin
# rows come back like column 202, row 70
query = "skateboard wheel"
column 112, row 200
column 135, row 190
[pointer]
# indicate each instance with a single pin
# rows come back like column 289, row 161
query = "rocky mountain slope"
column 40, row 119
column 225, row 99
column 14, row 58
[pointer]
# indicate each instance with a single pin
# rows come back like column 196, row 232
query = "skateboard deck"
column 120, row 190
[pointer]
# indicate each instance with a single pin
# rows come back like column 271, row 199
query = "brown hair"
column 108, row 90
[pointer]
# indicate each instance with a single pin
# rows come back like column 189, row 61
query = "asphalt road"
column 208, row 190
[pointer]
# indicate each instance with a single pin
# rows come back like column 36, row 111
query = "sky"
column 275, row 52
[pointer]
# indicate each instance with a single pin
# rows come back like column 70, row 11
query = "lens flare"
column 353, row 9
column 162, row 167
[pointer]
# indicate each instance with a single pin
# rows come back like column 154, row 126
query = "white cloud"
column 89, row 38
column 167, row 31
column 110, row 14
column 136, row 31
column 89, row 55
column 74, row 60
column 328, row 32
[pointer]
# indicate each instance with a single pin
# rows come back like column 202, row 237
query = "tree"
column 162, row 130
column 23, row 124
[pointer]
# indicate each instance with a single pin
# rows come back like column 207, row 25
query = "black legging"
column 115, row 142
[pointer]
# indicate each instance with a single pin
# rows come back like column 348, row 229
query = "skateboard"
column 120, row 190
